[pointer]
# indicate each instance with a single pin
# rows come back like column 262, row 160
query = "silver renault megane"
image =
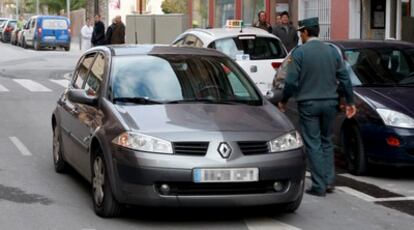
column 167, row 126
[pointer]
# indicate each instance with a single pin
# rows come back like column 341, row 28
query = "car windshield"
column 250, row 48
column 382, row 66
column 180, row 79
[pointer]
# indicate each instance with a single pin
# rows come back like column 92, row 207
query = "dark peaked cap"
column 308, row 22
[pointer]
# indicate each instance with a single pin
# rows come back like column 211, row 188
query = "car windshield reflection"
column 172, row 79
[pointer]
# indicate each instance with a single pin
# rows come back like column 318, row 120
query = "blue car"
column 47, row 31
column 382, row 132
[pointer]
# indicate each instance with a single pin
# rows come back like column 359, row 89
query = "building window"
column 321, row 9
column 225, row 10
column 250, row 10
column 200, row 13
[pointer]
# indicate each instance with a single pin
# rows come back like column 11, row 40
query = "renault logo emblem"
column 224, row 149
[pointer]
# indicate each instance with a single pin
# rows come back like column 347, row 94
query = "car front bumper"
column 139, row 176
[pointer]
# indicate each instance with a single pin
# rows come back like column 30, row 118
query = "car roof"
column 360, row 44
column 213, row 34
column 50, row 17
column 131, row 50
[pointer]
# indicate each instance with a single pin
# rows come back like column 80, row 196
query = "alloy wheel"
column 98, row 180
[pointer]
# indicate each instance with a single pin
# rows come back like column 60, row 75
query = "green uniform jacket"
column 314, row 71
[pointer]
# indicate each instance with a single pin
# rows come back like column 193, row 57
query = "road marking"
column 32, row 85
column 267, row 224
column 3, row 89
column 61, row 82
column 356, row 193
column 20, row 146
column 405, row 198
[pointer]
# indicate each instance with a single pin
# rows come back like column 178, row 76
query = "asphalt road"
column 33, row 196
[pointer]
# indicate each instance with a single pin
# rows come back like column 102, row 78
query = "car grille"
column 191, row 148
column 192, row 189
column 254, row 147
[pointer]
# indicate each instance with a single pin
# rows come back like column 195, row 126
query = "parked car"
column 154, row 126
column 258, row 52
column 14, row 36
column 7, row 30
column 382, row 132
column 47, row 31
column 2, row 21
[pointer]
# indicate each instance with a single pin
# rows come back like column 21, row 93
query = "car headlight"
column 286, row 142
column 141, row 142
column 396, row 119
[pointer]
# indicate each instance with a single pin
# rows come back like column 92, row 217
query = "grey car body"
column 88, row 127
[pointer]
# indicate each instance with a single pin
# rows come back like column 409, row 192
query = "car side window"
column 190, row 40
column 95, row 76
column 179, row 42
column 82, row 71
column 33, row 23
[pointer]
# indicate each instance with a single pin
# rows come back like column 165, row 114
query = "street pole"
column 37, row 7
column 68, row 8
column 17, row 9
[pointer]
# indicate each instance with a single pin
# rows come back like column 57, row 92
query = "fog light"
column 165, row 189
column 393, row 141
column 277, row 186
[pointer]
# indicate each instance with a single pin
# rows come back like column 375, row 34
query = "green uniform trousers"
column 317, row 118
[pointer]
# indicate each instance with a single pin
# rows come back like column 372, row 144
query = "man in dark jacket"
column 98, row 35
column 118, row 31
column 262, row 23
column 286, row 32
column 109, row 32
column 314, row 71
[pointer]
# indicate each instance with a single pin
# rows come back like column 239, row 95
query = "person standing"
column 262, row 23
column 109, row 31
column 118, row 31
column 86, row 35
column 314, row 70
column 286, row 32
column 98, row 35
column 278, row 20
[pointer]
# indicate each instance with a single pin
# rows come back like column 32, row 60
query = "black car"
column 382, row 132
column 168, row 126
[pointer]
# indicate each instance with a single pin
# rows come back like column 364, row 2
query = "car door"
column 69, row 113
column 29, row 35
column 86, row 118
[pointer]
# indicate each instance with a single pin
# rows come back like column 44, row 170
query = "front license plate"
column 219, row 175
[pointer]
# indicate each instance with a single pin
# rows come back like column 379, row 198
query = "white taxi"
column 258, row 52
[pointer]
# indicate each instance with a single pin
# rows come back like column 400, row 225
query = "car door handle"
column 253, row 68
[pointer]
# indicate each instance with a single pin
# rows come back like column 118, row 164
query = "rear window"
column 54, row 24
column 250, row 48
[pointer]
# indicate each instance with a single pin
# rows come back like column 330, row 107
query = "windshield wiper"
column 136, row 100
column 200, row 100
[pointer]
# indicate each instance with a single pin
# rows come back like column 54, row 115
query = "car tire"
column 104, row 202
column 291, row 207
column 67, row 48
column 36, row 45
column 353, row 149
column 24, row 44
column 58, row 160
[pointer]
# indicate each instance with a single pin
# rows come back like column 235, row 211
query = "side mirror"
column 275, row 96
column 80, row 96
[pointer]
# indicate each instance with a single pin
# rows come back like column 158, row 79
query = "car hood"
column 394, row 98
column 204, row 117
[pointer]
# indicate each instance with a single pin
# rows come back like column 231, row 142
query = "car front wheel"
column 354, row 150
column 104, row 202
column 58, row 161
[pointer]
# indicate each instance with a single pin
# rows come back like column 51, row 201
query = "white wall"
column 127, row 7
column 154, row 6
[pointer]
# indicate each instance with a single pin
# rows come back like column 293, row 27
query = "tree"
column 174, row 6
column 54, row 6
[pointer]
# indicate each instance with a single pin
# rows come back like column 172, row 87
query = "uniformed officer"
column 314, row 71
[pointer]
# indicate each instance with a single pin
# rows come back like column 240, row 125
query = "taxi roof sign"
column 234, row 23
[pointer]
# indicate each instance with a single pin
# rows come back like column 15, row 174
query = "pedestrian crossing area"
column 33, row 86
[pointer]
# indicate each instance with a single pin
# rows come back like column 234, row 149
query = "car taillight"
column 8, row 29
column 276, row 65
column 69, row 31
column 39, row 31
